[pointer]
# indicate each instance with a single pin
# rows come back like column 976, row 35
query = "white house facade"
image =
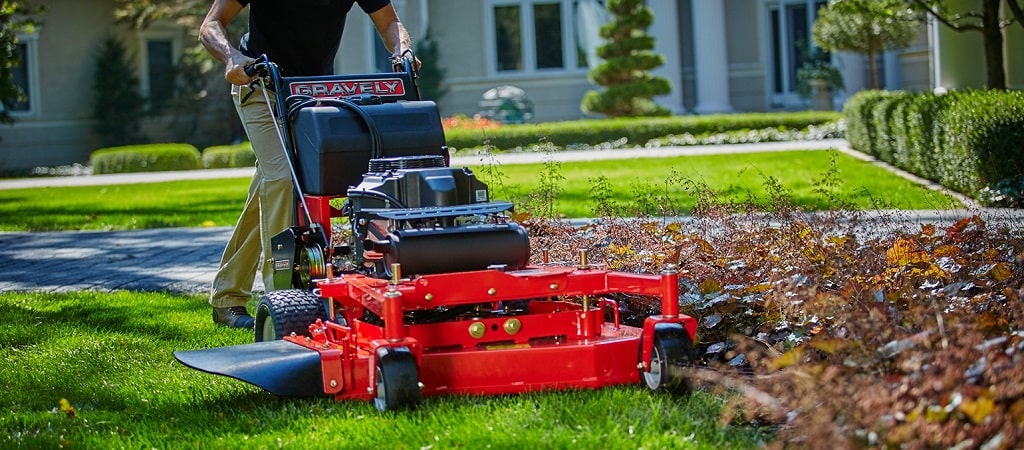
column 720, row 56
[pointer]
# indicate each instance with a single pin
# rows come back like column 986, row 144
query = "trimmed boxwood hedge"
column 229, row 156
column 145, row 158
column 967, row 141
column 637, row 131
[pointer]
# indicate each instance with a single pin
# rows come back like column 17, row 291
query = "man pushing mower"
column 302, row 37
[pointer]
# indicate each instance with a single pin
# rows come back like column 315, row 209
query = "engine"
column 429, row 218
column 401, row 203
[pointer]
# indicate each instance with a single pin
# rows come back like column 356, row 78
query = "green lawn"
column 190, row 203
column 803, row 176
column 110, row 357
column 638, row 185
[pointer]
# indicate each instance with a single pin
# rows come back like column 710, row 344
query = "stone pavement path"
column 172, row 259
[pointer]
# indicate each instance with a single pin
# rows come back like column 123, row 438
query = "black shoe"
column 233, row 317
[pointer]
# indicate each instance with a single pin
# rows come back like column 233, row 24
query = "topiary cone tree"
column 628, row 60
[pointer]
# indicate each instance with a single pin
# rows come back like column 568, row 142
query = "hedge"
column 229, row 156
column 145, row 158
column 967, row 141
column 636, row 131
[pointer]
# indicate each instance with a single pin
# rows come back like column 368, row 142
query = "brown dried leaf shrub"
column 841, row 329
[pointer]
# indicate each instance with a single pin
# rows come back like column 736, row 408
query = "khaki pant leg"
column 241, row 255
column 269, row 207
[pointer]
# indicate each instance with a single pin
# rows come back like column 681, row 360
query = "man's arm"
column 213, row 35
column 391, row 30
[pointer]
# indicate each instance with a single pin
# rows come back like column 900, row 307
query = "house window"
column 22, row 78
column 791, row 45
column 535, row 35
column 26, row 77
column 160, row 72
column 508, row 37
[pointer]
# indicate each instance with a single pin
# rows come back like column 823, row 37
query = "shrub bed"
column 968, row 141
column 145, row 158
column 907, row 336
column 229, row 156
column 636, row 131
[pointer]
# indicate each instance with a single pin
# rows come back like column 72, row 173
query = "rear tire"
column 671, row 353
column 281, row 313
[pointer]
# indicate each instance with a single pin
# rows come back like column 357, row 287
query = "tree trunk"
column 993, row 38
column 873, row 69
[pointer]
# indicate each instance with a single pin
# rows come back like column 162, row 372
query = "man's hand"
column 234, row 72
column 401, row 54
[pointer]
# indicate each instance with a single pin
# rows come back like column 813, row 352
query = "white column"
column 712, row 67
column 665, row 31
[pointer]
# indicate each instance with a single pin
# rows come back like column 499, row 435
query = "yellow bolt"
column 477, row 329
column 492, row 291
column 512, row 326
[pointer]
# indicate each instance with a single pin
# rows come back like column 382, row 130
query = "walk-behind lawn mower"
column 402, row 278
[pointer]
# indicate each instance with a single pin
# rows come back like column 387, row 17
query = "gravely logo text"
column 387, row 87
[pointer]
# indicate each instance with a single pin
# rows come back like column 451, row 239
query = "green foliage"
column 227, row 156
column 118, row 107
column 431, row 75
column 634, row 131
column 967, row 141
column 860, row 129
column 15, row 17
column 984, row 131
column 818, row 69
column 628, row 60
column 145, row 158
column 865, row 26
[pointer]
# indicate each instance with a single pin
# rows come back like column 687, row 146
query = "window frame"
column 528, row 43
column 31, row 42
column 145, row 37
column 788, row 95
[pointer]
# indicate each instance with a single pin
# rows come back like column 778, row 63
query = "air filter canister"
column 459, row 249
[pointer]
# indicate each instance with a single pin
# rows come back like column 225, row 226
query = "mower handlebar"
column 257, row 67
column 404, row 63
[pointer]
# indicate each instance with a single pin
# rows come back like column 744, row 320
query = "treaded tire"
column 281, row 313
column 672, row 351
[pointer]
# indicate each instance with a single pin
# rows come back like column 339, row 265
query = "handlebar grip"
column 404, row 63
column 257, row 67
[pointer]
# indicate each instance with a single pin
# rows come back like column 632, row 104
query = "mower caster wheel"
column 397, row 385
column 672, row 351
column 281, row 313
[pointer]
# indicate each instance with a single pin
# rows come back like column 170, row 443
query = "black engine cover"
column 418, row 188
column 334, row 144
